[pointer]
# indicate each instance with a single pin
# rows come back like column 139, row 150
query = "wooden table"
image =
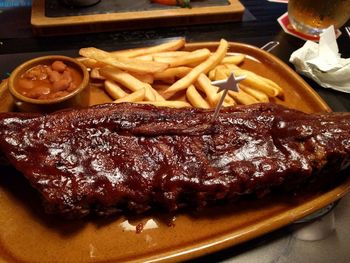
column 258, row 27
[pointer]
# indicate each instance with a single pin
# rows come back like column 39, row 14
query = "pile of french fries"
column 166, row 75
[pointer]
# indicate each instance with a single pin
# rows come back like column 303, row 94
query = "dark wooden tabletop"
column 259, row 26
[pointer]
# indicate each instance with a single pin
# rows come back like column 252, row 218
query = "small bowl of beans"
column 49, row 83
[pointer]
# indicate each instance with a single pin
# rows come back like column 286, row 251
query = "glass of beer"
column 312, row 17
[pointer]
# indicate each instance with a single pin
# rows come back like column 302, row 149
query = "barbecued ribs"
column 132, row 157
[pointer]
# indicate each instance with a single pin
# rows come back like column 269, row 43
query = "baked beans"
column 48, row 81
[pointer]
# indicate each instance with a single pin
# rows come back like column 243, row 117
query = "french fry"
column 275, row 85
column 213, row 97
column 176, row 53
column 260, row 96
column 242, row 97
column 90, row 63
column 236, row 59
column 194, row 57
column 204, row 67
column 167, row 103
column 203, row 83
column 211, row 74
column 166, row 54
column 166, row 95
column 165, row 76
column 257, row 82
column 147, row 78
column 231, row 66
column 169, row 46
column 160, row 88
column 178, row 72
column 132, row 65
column 95, row 74
column 145, row 57
column 226, row 104
column 114, row 90
column 196, row 99
column 157, row 96
column 136, row 96
column 127, row 80
column 220, row 74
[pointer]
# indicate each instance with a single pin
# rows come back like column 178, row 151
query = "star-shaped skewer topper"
column 225, row 85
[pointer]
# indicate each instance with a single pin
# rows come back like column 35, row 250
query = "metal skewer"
column 270, row 45
column 225, row 85
column 232, row 83
column 347, row 29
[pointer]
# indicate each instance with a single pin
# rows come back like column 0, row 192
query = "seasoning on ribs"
column 112, row 157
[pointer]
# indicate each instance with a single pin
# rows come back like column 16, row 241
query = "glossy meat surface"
column 110, row 158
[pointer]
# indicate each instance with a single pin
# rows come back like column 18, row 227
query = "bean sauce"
column 48, row 81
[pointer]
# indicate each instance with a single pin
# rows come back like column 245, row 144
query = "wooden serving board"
column 127, row 15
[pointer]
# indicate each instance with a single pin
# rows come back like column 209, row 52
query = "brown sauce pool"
column 48, row 81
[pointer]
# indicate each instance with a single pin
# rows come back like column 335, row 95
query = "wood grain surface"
column 143, row 15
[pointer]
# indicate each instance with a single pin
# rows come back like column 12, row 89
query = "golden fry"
column 145, row 57
column 203, row 83
column 157, row 96
column 204, row 67
column 220, row 74
column 136, row 96
column 165, row 54
column 194, row 57
column 236, row 59
column 196, row 99
column 257, row 82
column 95, row 74
column 211, row 74
column 242, row 97
column 114, row 90
column 127, row 80
column 167, row 95
column 90, row 63
column 169, row 46
column 274, row 85
column 213, row 97
column 260, row 96
column 132, row 65
column 165, row 76
column 171, row 54
column 178, row 72
column 147, row 78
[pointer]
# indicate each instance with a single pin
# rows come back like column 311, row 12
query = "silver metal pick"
column 270, row 45
column 225, row 85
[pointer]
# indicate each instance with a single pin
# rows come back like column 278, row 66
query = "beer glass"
column 312, row 17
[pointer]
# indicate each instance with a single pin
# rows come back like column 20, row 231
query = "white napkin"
column 322, row 62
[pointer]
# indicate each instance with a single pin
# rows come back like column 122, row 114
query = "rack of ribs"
column 128, row 157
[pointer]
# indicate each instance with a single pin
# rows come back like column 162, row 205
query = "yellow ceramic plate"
column 28, row 235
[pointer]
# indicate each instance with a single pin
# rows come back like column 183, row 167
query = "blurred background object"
column 11, row 3
column 313, row 18
column 80, row 3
